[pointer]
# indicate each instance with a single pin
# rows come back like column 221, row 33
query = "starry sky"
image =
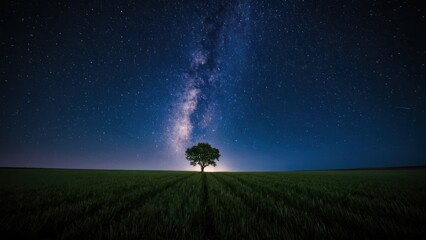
column 275, row 85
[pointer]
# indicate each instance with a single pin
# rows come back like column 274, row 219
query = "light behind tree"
column 202, row 154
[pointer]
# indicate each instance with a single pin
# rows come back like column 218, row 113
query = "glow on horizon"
column 220, row 167
column 208, row 169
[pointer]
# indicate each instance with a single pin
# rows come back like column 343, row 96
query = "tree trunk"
column 202, row 169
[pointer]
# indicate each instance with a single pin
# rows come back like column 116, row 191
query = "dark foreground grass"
column 86, row 204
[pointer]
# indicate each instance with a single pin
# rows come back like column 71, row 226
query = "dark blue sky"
column 275, row 85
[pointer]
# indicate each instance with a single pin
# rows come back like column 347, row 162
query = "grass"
column 89, row 204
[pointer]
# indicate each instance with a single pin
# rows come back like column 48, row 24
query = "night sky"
column 275, row 85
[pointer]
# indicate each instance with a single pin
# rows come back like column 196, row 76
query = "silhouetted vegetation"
column 202, row 154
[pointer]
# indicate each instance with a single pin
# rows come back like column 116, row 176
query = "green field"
column 89, row 204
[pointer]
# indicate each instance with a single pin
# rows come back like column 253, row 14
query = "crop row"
column 101, row 202
column 309, row 210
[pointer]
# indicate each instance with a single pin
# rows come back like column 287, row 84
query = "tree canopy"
column 202, row 154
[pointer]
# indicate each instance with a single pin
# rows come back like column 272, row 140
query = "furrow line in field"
column 232, row 213
column 96, row 207
column 333, row 216
column 58, row 218
column 208, row 227
column 173, row 214
column 315, row 189
column 106, row 217
column 331, row 200
column 75, row 196
column 289, row 220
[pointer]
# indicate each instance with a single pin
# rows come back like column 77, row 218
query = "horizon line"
column 163, row 170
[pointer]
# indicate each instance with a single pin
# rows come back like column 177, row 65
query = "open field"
column 88, row 204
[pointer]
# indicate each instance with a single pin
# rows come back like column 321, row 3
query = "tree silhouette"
column 202, row 154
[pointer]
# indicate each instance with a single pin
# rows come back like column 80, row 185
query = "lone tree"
column 202, row 154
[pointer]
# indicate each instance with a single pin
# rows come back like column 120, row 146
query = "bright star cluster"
column 197, row 107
